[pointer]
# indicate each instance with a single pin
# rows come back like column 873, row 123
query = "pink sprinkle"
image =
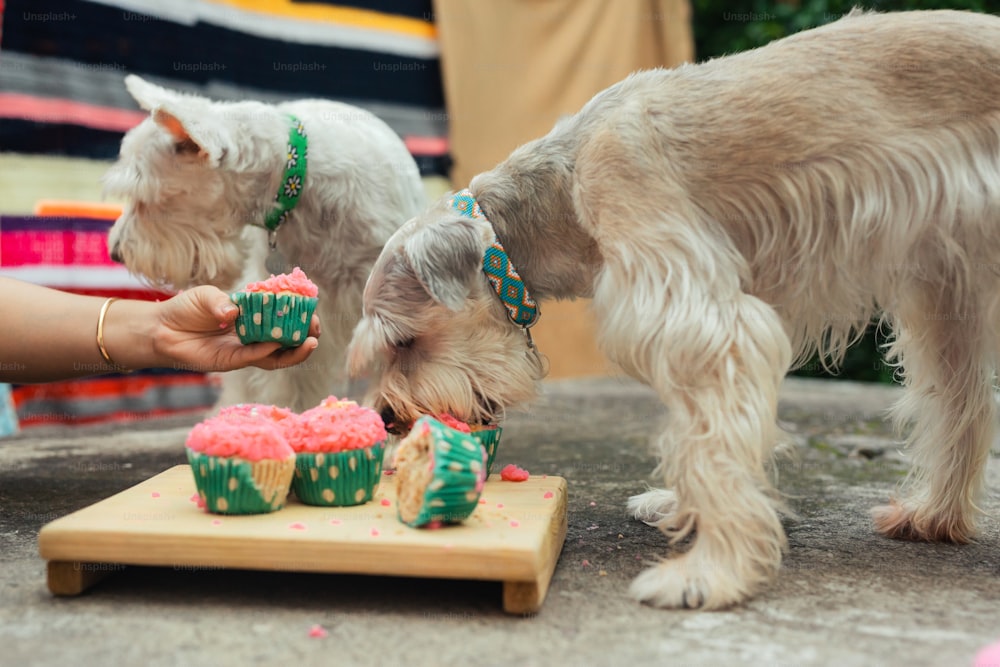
column 585, row 563
column 195, row 498
column 499, row 506
column 548, row 494
column 449, row 545
column 223, row 325
column 388, row 472
column 155, row 494
column 335, row 522
column 434, row 525
column 375, row 532
column 317, row 632
column 512, row 473
column 988, row 655
column 385, row 502
column 297, row 526
column 217, row 522
column 593, row 504
column 514, row 523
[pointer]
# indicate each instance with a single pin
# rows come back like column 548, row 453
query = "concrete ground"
column 845, row 596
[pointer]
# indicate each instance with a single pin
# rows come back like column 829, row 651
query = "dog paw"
column 656, row 507
column 902, row 521
column 687, row 582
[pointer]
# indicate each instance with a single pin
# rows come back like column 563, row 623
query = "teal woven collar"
column 522, row 310
column 295, row 176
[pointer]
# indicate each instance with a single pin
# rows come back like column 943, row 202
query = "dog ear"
column 148, row 95
column 446, row 257
column 189, row 119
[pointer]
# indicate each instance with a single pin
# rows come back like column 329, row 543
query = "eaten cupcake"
column 440, row 474
column 339, row 448
column 278, row 309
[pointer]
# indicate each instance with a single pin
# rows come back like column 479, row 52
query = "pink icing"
column 295, row 282
column 284, row 418
column 248, row 438
column 317, row 632
column 272, row 412
column 452, row 422
column 511, row 473
column 335, row 426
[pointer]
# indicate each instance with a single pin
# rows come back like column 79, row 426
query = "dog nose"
column 116, row 255
column 389, row 418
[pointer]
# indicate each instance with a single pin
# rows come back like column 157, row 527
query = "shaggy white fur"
column 728, row 219
column 201, row 176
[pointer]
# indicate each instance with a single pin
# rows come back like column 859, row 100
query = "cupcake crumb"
column 513, row 473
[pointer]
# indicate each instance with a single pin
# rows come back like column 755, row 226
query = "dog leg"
column 717, row 363
column 949, row 371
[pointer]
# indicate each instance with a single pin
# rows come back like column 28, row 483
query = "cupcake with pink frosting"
column 339, row 447
column 277, row 309
column 242, row 463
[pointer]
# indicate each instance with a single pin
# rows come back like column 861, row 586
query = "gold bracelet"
column 100, row 336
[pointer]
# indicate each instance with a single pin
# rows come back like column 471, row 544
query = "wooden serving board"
column 514, row 536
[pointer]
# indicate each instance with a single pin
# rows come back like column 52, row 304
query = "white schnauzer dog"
column 729, row 219
column 229, row 193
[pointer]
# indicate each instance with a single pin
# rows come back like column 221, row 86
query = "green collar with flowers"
column 294, row 179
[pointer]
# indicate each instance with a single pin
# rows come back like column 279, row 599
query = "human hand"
column 195, row 332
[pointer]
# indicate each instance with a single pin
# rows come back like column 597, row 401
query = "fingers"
column 213, row 300
column 289, row 356
column 315, row 328
column 223, row 307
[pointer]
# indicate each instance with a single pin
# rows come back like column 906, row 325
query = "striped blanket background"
column 64, row 109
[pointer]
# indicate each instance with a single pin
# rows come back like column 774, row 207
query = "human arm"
column 50, row 334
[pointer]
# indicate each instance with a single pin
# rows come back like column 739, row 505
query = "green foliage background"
column 726, row 26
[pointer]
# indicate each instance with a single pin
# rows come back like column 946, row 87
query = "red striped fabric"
column 53, row 110
column 58, row 243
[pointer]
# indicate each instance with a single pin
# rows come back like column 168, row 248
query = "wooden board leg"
column 522, row 597
column 526, row 597
column 69, row 578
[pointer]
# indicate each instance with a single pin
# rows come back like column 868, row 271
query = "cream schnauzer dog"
column 228, row 193
column 729, row 219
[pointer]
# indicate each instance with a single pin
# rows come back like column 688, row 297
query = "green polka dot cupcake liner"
column 265, row 317
column 338, row 479
column 237, row 486
column 457, row 464
column 490, row 439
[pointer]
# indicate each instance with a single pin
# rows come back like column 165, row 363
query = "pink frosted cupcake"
column 339, row 447
column 242, row 464
column 277, row 309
